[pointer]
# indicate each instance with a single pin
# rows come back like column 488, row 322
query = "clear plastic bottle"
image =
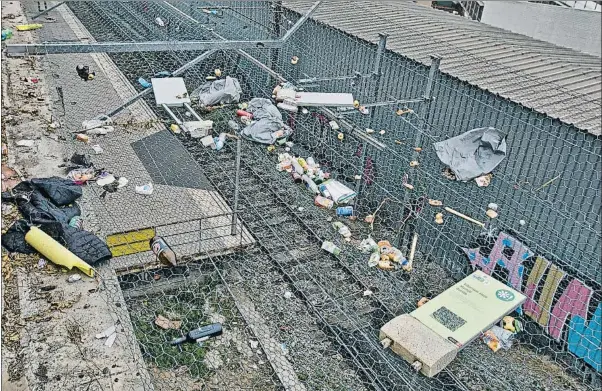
column 331, row 248
column 310, row 184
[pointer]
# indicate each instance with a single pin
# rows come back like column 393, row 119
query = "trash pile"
column 82, row 171
column 50, row 204
column 328, row 192
column 384, row 256
column 263, row 122
column 503, row 335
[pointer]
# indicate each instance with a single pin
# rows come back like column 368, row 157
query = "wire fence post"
column 236, row 186
column 382, row 45
column 403, row 235
column 276, row 30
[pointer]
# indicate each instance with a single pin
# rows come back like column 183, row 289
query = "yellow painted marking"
column 130, row 242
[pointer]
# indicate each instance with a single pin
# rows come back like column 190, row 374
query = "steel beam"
column 403, row 235
column 300, row 22
column 127, row 47
column 147, row 91
column 382, row 46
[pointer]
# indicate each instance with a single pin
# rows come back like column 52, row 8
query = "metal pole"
column 171, row 114
column 147, row 91
column 276, row 31
column 194, row 113
column 236, row 187
column 402, row 237
column 382, row 45
column 300, row 22
column 133, row 46
column 47, row 10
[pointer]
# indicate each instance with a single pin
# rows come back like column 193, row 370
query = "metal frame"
column 128, row 47
column 47, row 10
column 153, row 46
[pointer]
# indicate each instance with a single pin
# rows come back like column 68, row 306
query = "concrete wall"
column 572, row 28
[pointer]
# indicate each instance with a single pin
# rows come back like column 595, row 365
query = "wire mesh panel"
column 294, row 316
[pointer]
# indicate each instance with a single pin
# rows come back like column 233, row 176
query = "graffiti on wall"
column 584, row 335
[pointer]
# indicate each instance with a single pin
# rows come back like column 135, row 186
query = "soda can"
column 345, row 211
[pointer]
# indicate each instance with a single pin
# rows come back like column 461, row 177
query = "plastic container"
column 311, row 186
column 324, row 191
column 342, row 228
column 297, row 167
column 7, row 34
column 323, row 202
column 296, row 177
column 331, row 248
column 145, row 189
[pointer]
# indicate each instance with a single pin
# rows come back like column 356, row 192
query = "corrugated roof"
column 553, row 80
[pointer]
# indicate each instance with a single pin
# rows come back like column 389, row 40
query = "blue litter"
column 144, row 83
column 163, row 74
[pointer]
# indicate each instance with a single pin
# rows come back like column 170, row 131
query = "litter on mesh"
column 198, row 129
column 50, row 204
column 221, row 91
column 267, row 125
column 340, row 193
column 474, row 153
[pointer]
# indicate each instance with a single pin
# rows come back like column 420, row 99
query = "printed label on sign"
column 504, row 295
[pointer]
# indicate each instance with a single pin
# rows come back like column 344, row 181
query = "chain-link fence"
column 295, row 317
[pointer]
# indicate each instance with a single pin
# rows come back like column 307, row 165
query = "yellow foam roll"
column 27, row 27
column 55, row 252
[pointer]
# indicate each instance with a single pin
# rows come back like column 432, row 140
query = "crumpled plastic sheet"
column 267, row 125
column 221, row 91
column 473, row 153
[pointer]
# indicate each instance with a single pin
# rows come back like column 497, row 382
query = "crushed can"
column 345, row 211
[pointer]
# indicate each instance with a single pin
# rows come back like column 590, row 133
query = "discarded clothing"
column 474, row 153
column 50, row 203
column 221, row 91
column 267, row 125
